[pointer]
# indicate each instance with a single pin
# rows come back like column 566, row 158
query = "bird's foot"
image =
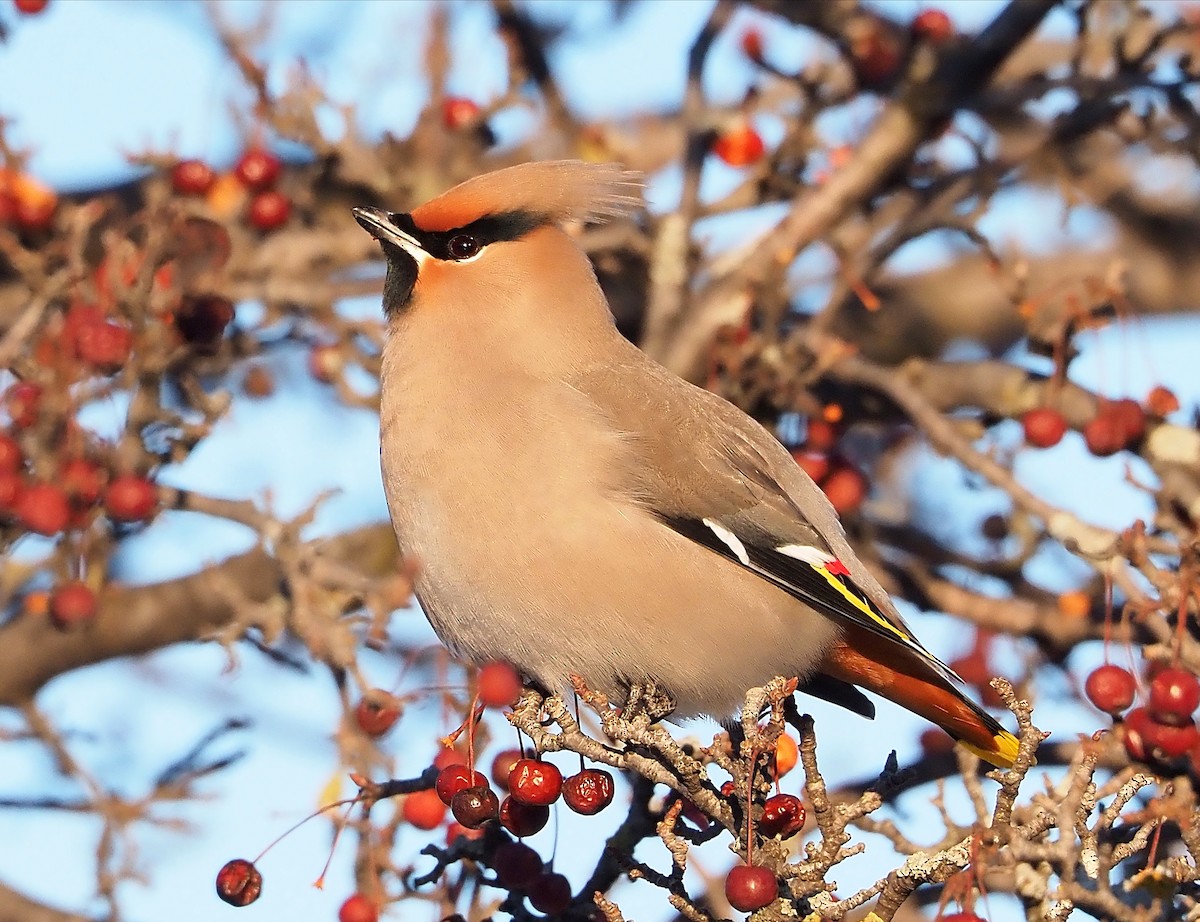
column 646, row 698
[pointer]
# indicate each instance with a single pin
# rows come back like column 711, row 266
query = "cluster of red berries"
column 256, row 171
column 80, row 485
column 1163, row 729
column 843, row 483
column 1117, row 425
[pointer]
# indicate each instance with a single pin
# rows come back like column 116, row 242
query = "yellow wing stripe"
column 862, row 606
column 1003, row 755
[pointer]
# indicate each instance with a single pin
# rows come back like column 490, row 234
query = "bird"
column 577, row 509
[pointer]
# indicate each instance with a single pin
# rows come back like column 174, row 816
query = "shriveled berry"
column 550, row 893
column 1174, row 696
column 72, row 604
column 1161, row 401
column 475, row 806
column 201, row 320
column 516, row 865
column 239, row 882
column 258, row 382
column 783, row 815
column 533, row 781
column 192, row 177
column 454, row 778
column 257, row 169
column 423, row 809
column 1044, row 427
column 499, row 685
column 787, row 754
column 750, row 887
column 994, row 527
column 589, row 791
column 1110, row 688
column 130, row 498
column 357, row 908
column 377, row 712
column 43, row 508
column 502, row 766
column 523, row 819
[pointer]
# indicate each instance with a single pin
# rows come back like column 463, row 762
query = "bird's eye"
column 463, row 246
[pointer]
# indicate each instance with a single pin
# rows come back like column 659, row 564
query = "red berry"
column 1044, row 427
column 750, row 887
column 377, row 712
column 36, row 213
column 589, row 791
column 1174, row 696
column 192, row 177
column 1104, row 434
column 820, row 435
column 535, row 782
column 457, row 830
column 269, row 210
column 202, row 320
column 739, row 146
column 475, row 806
column 935, row 742
column 23, row 401
column 10, row 491
column 239, row 882
column 1147, row 738
column 523, row 819
column 423, row 809
column 258, row 382
column 516, row 865
column 459, row 112
column 358, row 908
column 846, row 487
column 258, row 169
column 814, row 464
column 11, row 458
column 447, row 756
column 72, row 604
column 502, row 766
column 130, row 498
column 875, row 56
column 1132, row 420
column 550, row 893
column 933, row 26
column 1110, row 688
column 499, row 685
column 454, row 778
column 752, row 44
column 105, row 345
column 325, row 363
column 1161, row 401
column 43, row 509
column 83, row 480
column 783, row 815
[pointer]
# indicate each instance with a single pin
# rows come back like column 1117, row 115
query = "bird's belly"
column 611, row 594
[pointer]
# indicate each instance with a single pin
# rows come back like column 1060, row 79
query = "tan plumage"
column 576, row 508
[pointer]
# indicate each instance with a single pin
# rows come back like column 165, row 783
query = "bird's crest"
column 555, row 190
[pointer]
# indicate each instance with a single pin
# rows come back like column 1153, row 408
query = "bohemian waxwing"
column 576, row 508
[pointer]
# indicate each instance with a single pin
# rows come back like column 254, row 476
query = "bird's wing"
column 715, row 476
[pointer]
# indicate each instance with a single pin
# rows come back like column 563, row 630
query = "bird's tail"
column 900, row 676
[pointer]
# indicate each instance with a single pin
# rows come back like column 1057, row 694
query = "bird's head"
column 496, row 235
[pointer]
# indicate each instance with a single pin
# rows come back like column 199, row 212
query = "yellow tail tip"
column 1003, row 752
